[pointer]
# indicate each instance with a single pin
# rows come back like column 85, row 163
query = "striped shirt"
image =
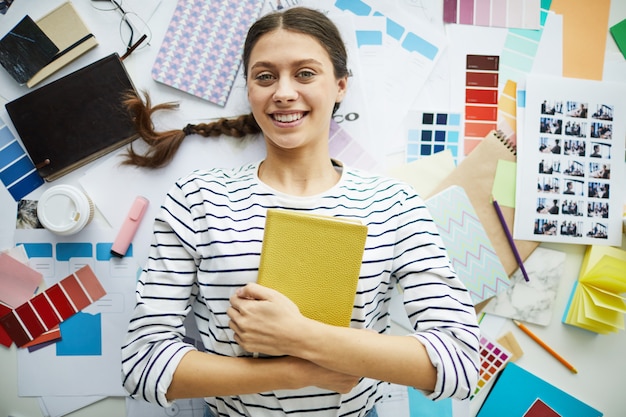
column 207, row 243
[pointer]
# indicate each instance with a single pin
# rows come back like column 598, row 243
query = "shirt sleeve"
column 154, row 343
column 438, row 305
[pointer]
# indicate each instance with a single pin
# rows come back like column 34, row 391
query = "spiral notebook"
column 201, row 51
column 476, row 175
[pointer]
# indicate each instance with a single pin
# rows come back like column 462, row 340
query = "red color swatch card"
column 51, row 307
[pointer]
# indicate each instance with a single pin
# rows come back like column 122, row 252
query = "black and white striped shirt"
column 207, row 243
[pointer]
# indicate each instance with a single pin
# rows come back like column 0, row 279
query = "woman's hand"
column 265, row 321
column 314, row 375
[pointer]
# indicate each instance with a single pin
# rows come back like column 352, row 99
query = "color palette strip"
column 432, row 132
column 17, row 171
column 520, row 48
column 493, row 358
column 523, row 14
column 48, row 309
column 481, row 98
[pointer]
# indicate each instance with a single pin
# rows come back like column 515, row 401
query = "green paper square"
column 618, row 31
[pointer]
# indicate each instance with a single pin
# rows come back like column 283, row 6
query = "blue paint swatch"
column 17, row 172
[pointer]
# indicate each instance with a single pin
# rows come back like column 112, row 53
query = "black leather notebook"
column 75, row 119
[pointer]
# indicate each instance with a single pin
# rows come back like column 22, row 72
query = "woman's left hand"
column 264, row 320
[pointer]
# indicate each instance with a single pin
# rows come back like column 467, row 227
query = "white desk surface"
column 599, row 359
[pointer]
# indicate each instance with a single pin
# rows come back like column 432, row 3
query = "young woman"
column 207, row 241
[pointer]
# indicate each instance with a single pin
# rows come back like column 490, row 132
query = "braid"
column 162, row 146
column 236, row 128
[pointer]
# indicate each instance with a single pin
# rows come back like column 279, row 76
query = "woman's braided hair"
column 162, row 146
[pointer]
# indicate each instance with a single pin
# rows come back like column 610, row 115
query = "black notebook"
column 75, row 119
column 25, row 50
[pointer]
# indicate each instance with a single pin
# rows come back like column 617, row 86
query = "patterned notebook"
column 472, row 254
column 201, row 51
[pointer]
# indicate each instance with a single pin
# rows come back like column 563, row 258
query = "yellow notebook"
column 315, row 261
column 597, row 302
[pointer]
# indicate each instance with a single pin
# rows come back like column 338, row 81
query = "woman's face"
column 292, row 89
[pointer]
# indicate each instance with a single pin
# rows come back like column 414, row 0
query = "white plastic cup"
column 64, row 209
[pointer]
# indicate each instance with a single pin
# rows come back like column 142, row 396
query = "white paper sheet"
column 43, row 372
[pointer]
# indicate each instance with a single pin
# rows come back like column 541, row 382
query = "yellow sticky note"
column 503, row 188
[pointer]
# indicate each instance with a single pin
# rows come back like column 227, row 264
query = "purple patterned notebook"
column 201, row 51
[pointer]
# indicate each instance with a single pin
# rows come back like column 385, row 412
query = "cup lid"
column 64, row 209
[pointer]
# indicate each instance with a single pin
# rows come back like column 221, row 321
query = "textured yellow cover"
column 315, row 261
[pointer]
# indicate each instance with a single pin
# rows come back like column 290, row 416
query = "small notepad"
column 201, row 51
column 470, row 250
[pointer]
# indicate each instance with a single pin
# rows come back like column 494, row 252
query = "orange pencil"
column 545, row 346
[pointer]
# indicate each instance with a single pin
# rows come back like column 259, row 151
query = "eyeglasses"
column 134, row 31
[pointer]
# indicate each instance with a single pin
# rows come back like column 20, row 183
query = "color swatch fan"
column 201, row 51
column 468, row 245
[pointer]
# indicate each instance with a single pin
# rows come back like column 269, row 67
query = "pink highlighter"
column 130, row 226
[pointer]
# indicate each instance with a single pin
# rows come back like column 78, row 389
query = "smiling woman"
column 206, row 250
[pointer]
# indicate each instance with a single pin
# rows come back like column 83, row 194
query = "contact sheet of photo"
column 570, row 162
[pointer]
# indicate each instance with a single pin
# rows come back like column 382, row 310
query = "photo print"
column 571, row 124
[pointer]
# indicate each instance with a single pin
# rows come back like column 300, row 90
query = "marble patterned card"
column 532, row 301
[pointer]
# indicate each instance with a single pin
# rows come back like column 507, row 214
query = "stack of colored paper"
column 597, row 302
